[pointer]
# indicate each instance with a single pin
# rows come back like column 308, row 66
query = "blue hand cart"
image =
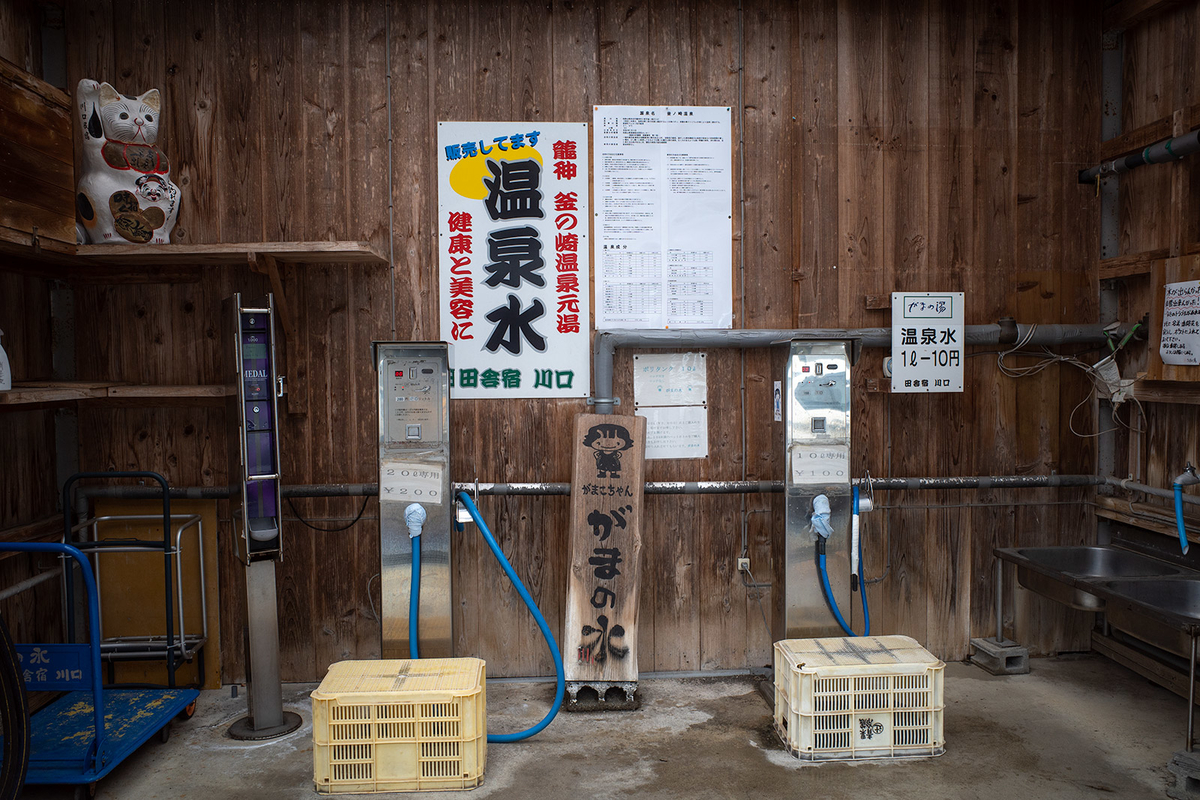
column 84, row 734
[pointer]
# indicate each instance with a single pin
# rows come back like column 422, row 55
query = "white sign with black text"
column 927, row 341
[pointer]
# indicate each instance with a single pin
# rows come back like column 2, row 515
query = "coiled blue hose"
column 829, row 598
column 560, row 688
column 1183, row 541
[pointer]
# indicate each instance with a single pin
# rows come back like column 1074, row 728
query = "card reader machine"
column 817, row 404
column 414, row 467
column 256, row 449
column 254, row 469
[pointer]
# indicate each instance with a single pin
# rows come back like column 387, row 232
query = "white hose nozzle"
column 1188, row 477
column 414, row 518
column 820, row 516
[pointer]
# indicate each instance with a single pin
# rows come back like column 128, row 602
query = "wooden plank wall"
column 1160, row 71
column 918, row 144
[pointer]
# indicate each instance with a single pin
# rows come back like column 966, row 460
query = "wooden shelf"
column 219, row 254
column 60, row 392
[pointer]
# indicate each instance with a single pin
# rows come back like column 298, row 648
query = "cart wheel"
column 188, row 712
column 84, row 791
column 165, row 733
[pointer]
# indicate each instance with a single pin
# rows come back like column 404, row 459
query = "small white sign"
column 409, row 482
column 779, row 401
column 817, row 463
column 927, row 341
column 670, row 379
column 1180, row 343
column 676, row 431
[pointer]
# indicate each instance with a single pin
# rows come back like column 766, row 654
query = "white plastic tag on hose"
column 854, row 545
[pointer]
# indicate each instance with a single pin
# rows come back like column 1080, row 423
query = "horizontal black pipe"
column 1157, row 153
column 651, row 487
column 985, row 482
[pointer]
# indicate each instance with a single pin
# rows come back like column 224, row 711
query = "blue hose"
column 560, row 675
column 829, row 598
column 1183, row 542
column 414, row 598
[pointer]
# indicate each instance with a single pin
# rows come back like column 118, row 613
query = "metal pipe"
column 607, row 342
column 29, row 583
column 999, row 601
column 984, row 482
column 1134, row 486
column 1158, row 153
column 543, row 488
column 1191, row 726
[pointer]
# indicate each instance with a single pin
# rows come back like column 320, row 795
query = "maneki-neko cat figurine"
column 125, row 192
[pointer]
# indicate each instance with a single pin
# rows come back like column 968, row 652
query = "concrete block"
column 1185, row 767
column 602, row 696
column 1000, row 658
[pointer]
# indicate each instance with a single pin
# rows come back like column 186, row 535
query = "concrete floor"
column 1073, row 728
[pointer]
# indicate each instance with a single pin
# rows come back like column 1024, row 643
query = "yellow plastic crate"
column 400, row 726
column 876, row 697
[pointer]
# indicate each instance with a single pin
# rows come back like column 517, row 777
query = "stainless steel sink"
column 1084, row 562
column 1179, row 597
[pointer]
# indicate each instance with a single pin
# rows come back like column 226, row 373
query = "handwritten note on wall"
column 1180, row 343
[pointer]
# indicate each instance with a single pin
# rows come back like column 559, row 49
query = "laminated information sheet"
column 1180, row 343
column 663, row 200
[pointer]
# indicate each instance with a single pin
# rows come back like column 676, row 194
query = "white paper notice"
column 676, row 431
column 820, row 462
column 1181, row 324
column 406, row 482
column 663, row 199
column 670, row 379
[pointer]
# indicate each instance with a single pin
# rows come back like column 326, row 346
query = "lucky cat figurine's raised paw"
column 125, row 192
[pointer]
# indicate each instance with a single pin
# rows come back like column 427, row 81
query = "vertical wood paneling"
column 951, row 237
column 992, row 407
column 921, row 145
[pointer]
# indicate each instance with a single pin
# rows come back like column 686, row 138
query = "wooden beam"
column 219, row 254
column 1167, row 392
column 1147, row 517
column 1136, row 139
column 61, row 392
column 1164, row 675
column 1131, row 263
column 46, row 529
column 1128, row 13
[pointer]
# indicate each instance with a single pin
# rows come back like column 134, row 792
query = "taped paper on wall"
column 676, row 431
column 407, row 482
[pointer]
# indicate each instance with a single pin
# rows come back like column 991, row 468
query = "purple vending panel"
column 258, row 393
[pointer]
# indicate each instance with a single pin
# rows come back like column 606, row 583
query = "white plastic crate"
column 400, row 726
column 877, row 697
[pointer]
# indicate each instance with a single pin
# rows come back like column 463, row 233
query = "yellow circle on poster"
column 466, row 177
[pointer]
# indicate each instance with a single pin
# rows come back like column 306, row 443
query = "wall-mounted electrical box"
column 414, row 467
column 254, row 451
column 817, row 436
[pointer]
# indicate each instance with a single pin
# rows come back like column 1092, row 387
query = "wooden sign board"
column 600, row 637
column 1162, row 272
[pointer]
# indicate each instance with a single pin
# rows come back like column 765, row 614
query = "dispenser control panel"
column 818, row 413
column 414, row 400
